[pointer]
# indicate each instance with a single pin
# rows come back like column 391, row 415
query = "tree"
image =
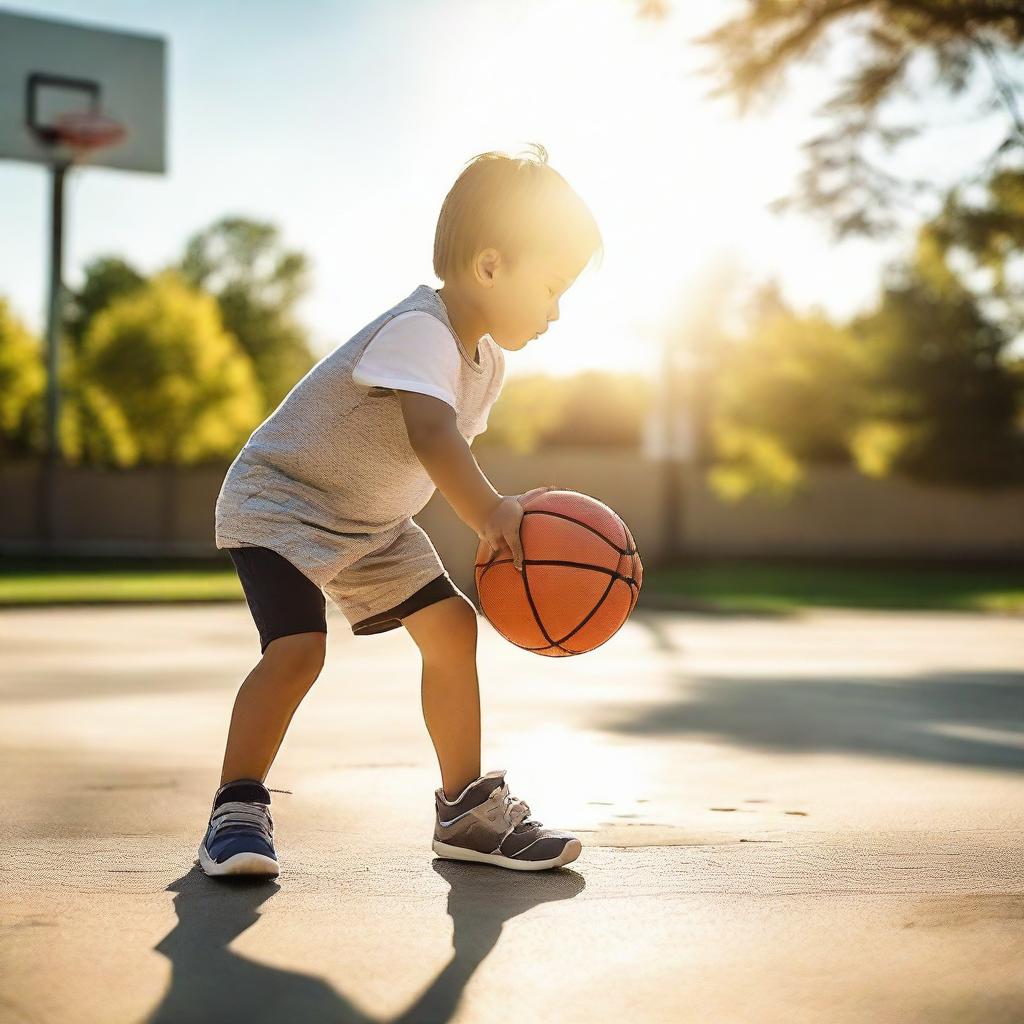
column 158, row 367
column 986, row 232
column 529, row 405
column 593, row 409
column 106, row 278
column 599, row 410
column 786, row 394
column 256, row 284
column 942, row 405
column 843, row 178
column 22, row 388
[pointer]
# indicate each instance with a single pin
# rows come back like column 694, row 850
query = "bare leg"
column 446, row 634
column 266, row 702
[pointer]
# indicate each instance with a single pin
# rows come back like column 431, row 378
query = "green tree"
column 22, row 388
column 256, row 283
column 106, row 278
column 986, row 232
column 529, row 405
column 93, row 428
column 599, row 409
column 163, row 377
column 788, row 393
column 942, row 404
column 962, row 43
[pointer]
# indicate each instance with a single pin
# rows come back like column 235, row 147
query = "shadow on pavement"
column 969, row 717
column 210, row 982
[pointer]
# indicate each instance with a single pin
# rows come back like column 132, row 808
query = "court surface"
column 817, row 818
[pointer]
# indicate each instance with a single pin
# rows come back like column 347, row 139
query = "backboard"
column 50, row 68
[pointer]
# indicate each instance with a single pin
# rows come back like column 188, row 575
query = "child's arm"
column 435, row 438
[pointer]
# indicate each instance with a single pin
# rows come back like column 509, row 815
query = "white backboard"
column 50, row 67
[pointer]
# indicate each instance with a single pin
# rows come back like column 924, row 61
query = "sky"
column 345, row 124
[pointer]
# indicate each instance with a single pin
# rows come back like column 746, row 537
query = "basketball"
column 580, row 580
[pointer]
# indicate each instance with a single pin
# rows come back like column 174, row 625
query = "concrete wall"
column 841, row 514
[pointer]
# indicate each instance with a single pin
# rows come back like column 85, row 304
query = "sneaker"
column 488, row 825
column 240, row 837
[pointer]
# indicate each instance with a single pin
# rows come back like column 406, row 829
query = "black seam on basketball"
column 536, row 617
column 590, row 614
column 506, row 561
column 558, row 643
column 560, row 515
column 634, row 594
column 555, row 561
column 631, row 551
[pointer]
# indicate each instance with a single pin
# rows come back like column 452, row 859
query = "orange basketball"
column 580, row 580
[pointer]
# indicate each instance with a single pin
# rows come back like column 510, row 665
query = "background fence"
column 840, row 514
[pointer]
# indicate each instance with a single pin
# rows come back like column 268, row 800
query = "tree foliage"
column 844, row 176
column 599, row 409
column 256, row 283
column 941, row 405
column 163, row 380
column 529, row 405
column 22, row 387
column 986, row 233
column 786, row 394
column 106, row 279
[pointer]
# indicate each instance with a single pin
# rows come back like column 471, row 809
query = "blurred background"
column 798, row 374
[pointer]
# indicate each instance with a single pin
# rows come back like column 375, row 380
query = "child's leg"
column 266, row 702
column 446, row 634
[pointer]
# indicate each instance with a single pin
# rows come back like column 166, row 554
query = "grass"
column 730, row 587
column 784, row 588
column 109, row 580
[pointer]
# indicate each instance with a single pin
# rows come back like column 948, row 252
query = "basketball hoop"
column 84, row 132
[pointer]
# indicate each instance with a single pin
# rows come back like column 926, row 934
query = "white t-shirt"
column 414, row 351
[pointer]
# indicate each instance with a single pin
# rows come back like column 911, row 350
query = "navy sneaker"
column 240, row 837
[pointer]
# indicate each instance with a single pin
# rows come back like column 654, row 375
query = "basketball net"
column 84, row 133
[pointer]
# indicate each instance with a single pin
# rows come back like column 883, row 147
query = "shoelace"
column 243, row 814
column 515, row 811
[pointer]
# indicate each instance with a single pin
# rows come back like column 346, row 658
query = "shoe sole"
column 240, row 864
column 570, row 853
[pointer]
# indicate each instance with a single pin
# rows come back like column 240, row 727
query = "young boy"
column 321, row 497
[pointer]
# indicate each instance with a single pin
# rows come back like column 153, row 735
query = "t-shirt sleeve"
column 414, row 351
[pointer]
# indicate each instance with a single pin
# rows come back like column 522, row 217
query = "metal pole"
column 672, row 491
column 51, row 456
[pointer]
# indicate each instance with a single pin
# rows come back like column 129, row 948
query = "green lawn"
column 97, row 580
column 748, row 587
column 727, row 587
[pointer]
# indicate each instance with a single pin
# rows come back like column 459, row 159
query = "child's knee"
column 445, row 628
column 302, row 654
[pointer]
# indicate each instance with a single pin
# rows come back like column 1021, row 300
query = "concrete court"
column 816, row 818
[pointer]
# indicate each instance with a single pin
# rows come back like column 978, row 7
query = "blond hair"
column 518, row 205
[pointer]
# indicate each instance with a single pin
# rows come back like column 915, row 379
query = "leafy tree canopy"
column 960, row 40
column 256, row 283
column 166, row 381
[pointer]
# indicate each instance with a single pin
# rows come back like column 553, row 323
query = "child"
column 320, row 501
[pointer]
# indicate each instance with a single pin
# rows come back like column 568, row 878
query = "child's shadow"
column 210, row 982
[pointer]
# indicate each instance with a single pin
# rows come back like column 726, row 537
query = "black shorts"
column 284, row 601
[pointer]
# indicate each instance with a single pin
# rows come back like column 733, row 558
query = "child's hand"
column 502, row 526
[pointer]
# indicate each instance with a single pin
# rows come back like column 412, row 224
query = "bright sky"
column 345, row 123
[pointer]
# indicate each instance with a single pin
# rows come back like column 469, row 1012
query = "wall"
column 840, row 514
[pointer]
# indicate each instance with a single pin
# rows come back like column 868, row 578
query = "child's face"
column 524, row 300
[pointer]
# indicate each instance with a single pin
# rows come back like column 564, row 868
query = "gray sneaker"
column 486, row 824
